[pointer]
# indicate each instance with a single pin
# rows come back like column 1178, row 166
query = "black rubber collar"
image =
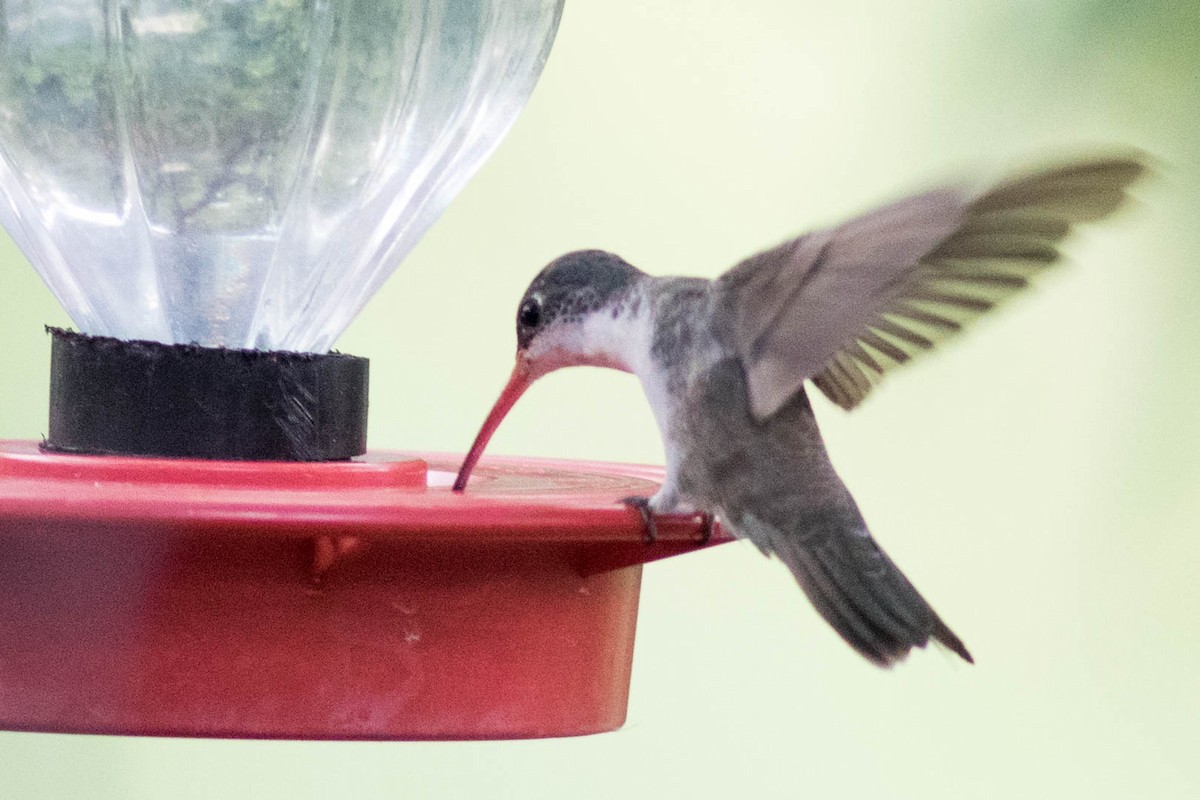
column 114, row 397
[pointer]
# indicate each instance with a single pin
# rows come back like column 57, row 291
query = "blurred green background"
column 1039, row 481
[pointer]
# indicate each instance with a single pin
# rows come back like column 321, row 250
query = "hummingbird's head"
column 565, row 317
column 572, row 314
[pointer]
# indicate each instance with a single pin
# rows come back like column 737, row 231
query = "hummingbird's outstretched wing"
column 844, row 305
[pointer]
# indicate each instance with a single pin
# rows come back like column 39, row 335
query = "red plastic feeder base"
column 348, row 600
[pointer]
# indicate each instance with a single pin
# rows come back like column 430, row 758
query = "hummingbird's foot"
column 707, row 523
column 642, row 506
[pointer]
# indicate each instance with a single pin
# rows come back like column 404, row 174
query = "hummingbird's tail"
column 854, row 585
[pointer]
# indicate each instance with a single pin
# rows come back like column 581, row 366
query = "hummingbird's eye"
column 530, row 313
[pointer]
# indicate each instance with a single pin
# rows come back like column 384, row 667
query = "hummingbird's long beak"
column 520, row 380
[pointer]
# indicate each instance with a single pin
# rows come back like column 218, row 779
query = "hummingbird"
column 724, row 364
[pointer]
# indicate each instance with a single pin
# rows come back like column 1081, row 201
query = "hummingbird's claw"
column 642, row 506
column 708, row 521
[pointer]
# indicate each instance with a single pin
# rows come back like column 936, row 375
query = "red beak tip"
column 518, row 382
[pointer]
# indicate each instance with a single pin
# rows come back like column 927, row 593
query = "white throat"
column 621, row 340
column 625, row 342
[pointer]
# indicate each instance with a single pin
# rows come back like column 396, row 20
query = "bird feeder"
column 203, row 545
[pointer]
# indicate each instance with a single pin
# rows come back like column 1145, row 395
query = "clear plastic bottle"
column 246, row 174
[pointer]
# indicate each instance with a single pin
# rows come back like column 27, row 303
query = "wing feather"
column 845, row 305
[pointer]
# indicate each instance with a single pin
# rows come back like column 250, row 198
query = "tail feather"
column 845, row 619
column 855, row 586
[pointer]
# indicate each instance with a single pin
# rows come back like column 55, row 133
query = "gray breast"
column 779, row 467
